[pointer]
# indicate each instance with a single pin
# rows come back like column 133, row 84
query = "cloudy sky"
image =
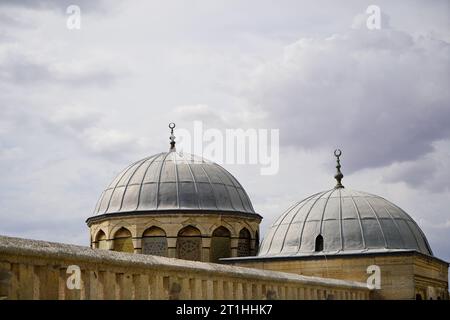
column 77, row 106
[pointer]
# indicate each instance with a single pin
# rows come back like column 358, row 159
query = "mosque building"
column 176, row 205
column 339, row 233
column 175, row 225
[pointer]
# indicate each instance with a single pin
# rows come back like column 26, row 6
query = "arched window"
column 243, row 249
column 154, row 242
column 418, row 296
column 189, row 244
column 319, row 243
column 100, row 241
column 122, row 241
column 220, row 244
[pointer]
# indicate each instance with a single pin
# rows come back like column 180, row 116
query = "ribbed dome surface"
column 348, row 221
column 174, row 181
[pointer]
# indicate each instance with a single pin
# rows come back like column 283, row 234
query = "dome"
column 173, row 181
column 342, row 221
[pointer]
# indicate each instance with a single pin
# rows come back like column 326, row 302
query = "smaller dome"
column 345, row 221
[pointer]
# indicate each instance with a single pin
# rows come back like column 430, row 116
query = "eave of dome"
column 326, row 256
column 348, row 221
column 174, row 181
column 187, row 212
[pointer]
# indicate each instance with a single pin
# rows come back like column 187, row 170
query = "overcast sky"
column 77, row 106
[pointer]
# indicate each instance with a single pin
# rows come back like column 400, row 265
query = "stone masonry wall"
column 32, row 269
column 403, row 276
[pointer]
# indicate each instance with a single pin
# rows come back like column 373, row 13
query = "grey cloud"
column 201, row 112
column 24, row 72
column 47, row 198
column 21, row 70
column 74, row 117
column 382, row 96
column 360, row 20
column 9, row 20
column 66, row 231
column 59, row 5
column 85, row 129
column 58, row 131
column 431, row 171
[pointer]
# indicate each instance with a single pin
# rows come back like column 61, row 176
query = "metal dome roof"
column 174, row 181
column 343, row 221
column 348, row 221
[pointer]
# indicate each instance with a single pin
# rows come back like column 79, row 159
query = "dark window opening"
column 220, row 244
column 418, row 296
column 244, row 243
column 319, row 243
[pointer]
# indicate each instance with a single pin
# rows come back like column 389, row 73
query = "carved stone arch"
column 189, row 243
column 123, row 240
column 119, row 232
column 121, row 224
column 225, row 224
column 244, row 243
column 97, row 232
column 220, row 244
column 189, row 231
column 93, row 231
column 151, row 223
column 100, row 240
column 154, row 241
column 154, row 231
column 248, row 226
column 194, row 223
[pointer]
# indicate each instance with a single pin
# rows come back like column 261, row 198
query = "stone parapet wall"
column 32, row 269
column 403, row 275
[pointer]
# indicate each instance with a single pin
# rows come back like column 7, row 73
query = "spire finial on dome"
column 172, row 137
column 338, row 176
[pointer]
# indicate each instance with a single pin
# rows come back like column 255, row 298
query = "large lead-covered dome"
column 174, row 181
column 343, row 221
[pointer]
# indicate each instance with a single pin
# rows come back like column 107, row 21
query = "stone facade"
column 408, row 275
column 39, row 270
column 200, row 236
